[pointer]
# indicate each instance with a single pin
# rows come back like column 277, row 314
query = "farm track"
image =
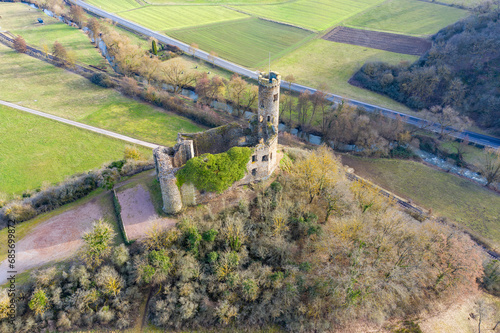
column 379, row 40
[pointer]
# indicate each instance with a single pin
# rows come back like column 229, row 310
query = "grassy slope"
column 450, row 196
column 333, row 64
column 68, row 95
column 407, row 16
column 170, row 17
column 310, row 14
column 34, row 150
column 21, row 19
column 256, row 38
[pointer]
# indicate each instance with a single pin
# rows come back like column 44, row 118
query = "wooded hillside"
column 461, row 70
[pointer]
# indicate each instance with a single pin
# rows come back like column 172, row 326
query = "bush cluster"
column 79, row 298
column 215, row 173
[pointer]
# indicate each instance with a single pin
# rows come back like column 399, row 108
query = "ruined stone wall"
column 263, row 161
column 172, row 201
column 218, row 140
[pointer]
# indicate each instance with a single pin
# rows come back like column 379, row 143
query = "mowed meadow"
column 407, row 17
column 36, row 84
column 36, row 150
column 20, row 19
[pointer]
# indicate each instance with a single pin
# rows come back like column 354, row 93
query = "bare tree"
column 235, row 90
column 489, row 165
column 174, row 73
column 149, row 67
column 77, row 15
column 20, row 44
column 211, row 57
column 446, row 117
column 319, row 102
column 94, row 27
column 192, row 49
column 59, row 51
column 290, row 79
column 250, row 96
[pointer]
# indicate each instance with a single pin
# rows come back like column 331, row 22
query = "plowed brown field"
column 379, row 40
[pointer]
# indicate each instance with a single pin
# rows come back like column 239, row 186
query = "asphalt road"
column 473, row 137
column 80, row 125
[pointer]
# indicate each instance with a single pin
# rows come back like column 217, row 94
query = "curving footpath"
column 80, row 125
column 473, row 137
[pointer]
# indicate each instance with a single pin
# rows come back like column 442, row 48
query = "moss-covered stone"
column 215, row 173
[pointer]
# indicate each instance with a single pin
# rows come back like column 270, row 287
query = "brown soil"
column 54, row 239
column 138, row 212
column 379, row 40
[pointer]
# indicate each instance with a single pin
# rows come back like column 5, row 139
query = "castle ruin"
column 261, row 134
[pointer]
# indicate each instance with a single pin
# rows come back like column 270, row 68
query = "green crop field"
column 21, row 19
column 255, row 39
column 407, row 16
column 322, row 61
column 33, row 83
column 174, row 17
column 310, row 14
column 34, row 150
column 213, row 2
column 460, row 200
column 114, row 5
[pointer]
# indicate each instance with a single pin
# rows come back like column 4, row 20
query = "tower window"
column 271, row 156
column 254, row 172
column 268, row 118
column 265, row 158
column 275, row 97
column 254, row 158
column 261, row 105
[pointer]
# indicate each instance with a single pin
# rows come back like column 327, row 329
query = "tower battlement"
column 270, row 80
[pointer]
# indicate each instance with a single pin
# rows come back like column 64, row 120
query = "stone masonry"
column 261, row 134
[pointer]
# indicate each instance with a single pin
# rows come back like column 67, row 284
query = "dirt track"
column 379, row 40
column 138, row 213
column 54, row 239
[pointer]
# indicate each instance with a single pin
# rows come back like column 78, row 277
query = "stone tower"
column 269, row 98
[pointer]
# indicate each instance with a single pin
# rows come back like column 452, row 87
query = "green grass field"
column 311, row 14
column 333, row 64
column 460, row 200
column 21, row 19
column 255, row 39
column 407, row 17
column 34, row 150
column 33, row 83
column 175, row 17
column 115, row 5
